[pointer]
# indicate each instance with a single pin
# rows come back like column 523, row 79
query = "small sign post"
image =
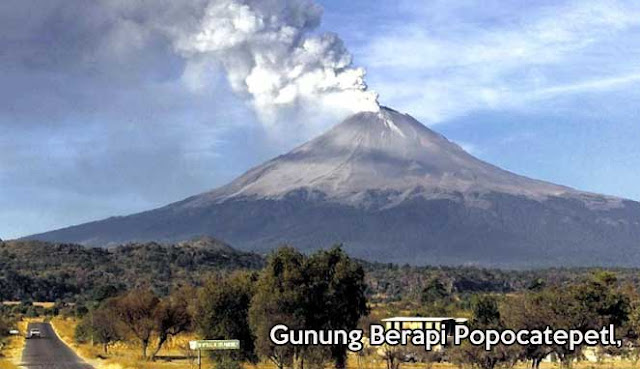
column 212, row 345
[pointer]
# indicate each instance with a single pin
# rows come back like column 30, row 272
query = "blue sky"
column 100, row 116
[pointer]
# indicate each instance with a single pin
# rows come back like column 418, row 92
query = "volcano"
column 390, row 189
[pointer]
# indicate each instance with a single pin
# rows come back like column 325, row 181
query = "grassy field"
column 12, row 352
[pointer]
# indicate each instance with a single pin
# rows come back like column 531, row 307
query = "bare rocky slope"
column 390, row 189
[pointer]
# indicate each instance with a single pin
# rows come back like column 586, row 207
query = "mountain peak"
column 385, row 153
column 387, row 119
column 390, row 189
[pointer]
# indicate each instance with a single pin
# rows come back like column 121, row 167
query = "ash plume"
column 271, row 56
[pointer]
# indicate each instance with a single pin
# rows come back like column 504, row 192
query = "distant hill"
column 47, row 272
column 390, row 189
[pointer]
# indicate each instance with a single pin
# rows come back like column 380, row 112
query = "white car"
column 34, row 333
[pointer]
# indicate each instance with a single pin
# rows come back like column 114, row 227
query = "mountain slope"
column 390, row 189
column 378, row 151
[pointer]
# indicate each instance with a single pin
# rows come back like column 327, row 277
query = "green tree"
column 632, row 327
column 486, row 315
column 338, row 298
column 435, row 291
column 532, row 310
column 281, row 297
column 222, row 309
column 592, row 303
column 100, row 326
column 325, row 291
column 5, row 326
column 599, row 301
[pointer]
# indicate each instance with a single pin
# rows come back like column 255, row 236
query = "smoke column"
column 270, row 55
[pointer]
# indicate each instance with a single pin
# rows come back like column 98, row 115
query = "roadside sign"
column 210, row 345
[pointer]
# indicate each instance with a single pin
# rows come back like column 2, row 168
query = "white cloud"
column 453, row 59
column 601, row 84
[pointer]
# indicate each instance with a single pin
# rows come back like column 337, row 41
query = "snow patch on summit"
column 389, row 123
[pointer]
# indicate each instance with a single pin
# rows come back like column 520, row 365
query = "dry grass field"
column 12, row 353
column 45, row 305
column 125, row 355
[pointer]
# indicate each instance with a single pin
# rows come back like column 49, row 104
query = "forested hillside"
column 391, row 282
column 40, row 271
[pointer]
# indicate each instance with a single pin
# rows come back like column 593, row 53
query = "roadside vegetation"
column 10, row 345
column 323, row 291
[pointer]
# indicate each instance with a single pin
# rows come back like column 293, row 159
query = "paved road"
column 49, row 352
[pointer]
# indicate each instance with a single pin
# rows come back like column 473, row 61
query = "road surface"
column 49, row 352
